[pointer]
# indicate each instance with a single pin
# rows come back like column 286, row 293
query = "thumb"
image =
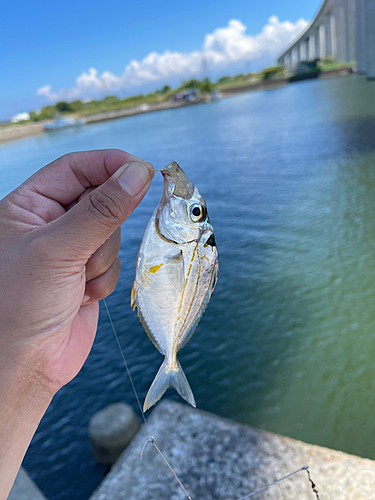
column 86, row 226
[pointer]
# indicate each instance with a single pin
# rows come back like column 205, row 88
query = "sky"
column 53, row 51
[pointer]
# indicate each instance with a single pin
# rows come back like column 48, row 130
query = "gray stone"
column 111, row 430
column 24, row 488
column 218, row 459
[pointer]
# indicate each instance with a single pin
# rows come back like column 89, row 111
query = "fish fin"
column 134, row 304
column 132, row 296
column 214, row 276
column 166, row 378
column 176, row 270
column 147, row 329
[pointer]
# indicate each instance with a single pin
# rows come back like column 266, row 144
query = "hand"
column 59, row 239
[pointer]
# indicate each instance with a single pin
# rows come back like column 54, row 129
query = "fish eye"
column 197, row 213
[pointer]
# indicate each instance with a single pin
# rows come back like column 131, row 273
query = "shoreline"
column 14, row 132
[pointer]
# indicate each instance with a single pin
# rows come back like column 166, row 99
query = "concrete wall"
column 217, row 459
column 24, row 488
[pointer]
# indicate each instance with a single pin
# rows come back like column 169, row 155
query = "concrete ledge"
column 218, row 459
column 24, row 488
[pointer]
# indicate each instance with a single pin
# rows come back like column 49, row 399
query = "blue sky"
column 52, row 43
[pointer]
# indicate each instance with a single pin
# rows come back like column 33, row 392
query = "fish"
column 176, row 272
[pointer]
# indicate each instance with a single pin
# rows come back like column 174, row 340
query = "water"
column 288, row 340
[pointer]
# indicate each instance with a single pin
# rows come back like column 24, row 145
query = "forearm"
column 22, row 405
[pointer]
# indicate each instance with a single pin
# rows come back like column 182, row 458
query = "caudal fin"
column 164, row 379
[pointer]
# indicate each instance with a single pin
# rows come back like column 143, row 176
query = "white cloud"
column 46, row 91
column 221, row 49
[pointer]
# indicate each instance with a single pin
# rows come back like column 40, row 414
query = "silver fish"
column 176, row 272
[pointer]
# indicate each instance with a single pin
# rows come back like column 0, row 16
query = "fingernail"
column 134, row 178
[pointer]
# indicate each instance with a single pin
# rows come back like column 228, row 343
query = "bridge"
column 343, row 30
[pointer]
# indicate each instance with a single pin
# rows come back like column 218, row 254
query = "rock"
column 24, row 488
column 218, row 459
column 111, row 430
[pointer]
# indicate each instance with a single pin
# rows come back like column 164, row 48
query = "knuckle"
column 110, row 284
column 106, row 287
column 106, row 206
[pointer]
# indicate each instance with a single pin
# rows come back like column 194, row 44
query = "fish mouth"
column 176, row 182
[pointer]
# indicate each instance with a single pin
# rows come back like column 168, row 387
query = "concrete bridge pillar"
column 351, row 23
column 317, row 44
column 328, row 35
column 361, row 36
column 295, row 57
column 304, row 50
column 333, row 32
column 288, row 60
column 370, row 38
column 311, row 54
column 345, row 14
column 322, row 41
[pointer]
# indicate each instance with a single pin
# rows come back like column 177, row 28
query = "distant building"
column 343, row 30
column 20, row 117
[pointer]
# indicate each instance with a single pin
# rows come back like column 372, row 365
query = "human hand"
column 59, row 239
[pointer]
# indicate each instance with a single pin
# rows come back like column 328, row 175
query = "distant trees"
column 271, row 72
column 63, row 107
column 223, row 80
column 45, row 113
column 77, row 105
column 204, row 85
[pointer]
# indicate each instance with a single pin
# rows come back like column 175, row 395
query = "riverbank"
column 281, row 82
column 12, row 132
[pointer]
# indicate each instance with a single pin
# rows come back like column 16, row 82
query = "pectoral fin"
column 175, row 269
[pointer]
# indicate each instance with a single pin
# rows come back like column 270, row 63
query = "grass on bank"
column 80, row 108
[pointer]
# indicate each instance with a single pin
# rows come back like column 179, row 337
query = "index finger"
column 67, row 178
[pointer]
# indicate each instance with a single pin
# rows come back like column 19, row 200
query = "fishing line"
column 151, row 439
column 125, row 363
column 305, row 467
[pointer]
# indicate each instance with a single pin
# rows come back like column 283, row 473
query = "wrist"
column 20, row 384
column 23, row 402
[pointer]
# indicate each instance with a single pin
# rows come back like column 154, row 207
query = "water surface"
column 287, row 342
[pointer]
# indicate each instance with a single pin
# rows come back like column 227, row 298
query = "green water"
column 288, row 340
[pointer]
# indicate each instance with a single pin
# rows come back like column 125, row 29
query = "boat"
column 60, row 123
column 216, row 94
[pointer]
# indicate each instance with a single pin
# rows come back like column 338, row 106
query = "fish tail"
column 166, row 378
